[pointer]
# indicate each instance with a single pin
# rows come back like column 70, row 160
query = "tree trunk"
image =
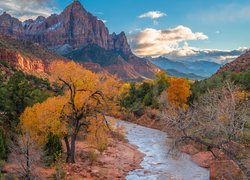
column 27, row 176
column 70, row 149
column 67, row 148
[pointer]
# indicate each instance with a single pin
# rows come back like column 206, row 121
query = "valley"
column 156, row 100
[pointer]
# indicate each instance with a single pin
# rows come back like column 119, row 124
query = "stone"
column 189, row 149
column 203, row 159
column 225, row 169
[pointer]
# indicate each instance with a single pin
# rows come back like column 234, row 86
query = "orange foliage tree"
column 87, row 97
column 178, row 92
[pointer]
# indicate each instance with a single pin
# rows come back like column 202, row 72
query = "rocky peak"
column 10, row 25
column 75, row 9
column 74, row 26
column 5, row 15
column 74, row 30
column 120, row 43
column 40, row 19
column 27, row 23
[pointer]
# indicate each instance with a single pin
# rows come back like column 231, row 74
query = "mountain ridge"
column 194, row 70
column 73, row 30
column 239, row 64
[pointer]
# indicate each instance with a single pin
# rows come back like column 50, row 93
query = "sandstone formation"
column 225, row 169
column 189, row 149
column 203, row 159
column 25, row 56
column 73, row 30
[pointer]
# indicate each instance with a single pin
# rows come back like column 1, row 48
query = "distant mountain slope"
column 237, row 72
column 73, row 33
column 197, row 69
column 240, row 64
column 129, row 67
column 25, row 55
column 176, row 73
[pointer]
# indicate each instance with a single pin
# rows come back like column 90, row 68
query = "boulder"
column 225, row 169
column 189, row 149
column 203, row 159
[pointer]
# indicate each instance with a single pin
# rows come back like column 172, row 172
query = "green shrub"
column 59, row 173
column 52, row 149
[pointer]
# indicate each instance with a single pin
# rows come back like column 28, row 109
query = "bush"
column 218, row 81
column 52, row 149
column 59, row 173
column 92, row 156
column 145, row 94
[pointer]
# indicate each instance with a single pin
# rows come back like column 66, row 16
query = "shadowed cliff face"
column 76, row 33
column 74, row 26
column 11, row 26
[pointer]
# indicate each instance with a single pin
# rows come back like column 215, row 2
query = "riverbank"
column 216, row 161
column 114, row 163
column 157, row 163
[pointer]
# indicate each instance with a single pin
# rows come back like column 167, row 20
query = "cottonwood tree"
column 217, row 120
column 87, row 96
column 178, row 92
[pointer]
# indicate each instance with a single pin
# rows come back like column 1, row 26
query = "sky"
column 177, row 28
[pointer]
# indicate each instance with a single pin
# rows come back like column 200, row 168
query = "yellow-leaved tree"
column 87, row 98
column 178, row 92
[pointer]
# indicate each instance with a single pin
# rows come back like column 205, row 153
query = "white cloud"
column 214, row 55
column 153, row 42
column 184, row 51
column 172, row 43
column 26, row 9
column 153, row 15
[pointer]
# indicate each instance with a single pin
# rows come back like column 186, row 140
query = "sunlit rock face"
column 29, row 64
column 24, row 63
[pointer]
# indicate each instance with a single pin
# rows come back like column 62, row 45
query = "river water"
column 157, row 164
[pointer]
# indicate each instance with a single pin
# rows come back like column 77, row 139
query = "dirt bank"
column 114, row 163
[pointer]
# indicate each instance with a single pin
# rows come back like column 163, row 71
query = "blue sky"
column 225, row 23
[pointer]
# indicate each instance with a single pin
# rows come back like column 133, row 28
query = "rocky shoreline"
column 221, row 166
column 114, row 163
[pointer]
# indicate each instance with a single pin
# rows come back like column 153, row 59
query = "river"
column 157, row 164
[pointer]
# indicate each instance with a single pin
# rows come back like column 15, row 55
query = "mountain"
column 242, row 63
column 173, row 72
column 237, row 72
column 76, row 33
column 24, row 55
column 189, row 69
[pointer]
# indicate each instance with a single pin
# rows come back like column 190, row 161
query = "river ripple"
column 157, row 165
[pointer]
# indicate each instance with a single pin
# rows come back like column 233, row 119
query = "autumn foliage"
column 178, row 92
column 87, row 98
